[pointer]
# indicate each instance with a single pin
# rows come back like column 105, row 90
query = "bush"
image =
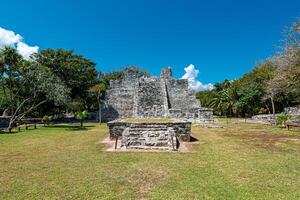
column 47, row 119
column 282, row 118
column 81, row 116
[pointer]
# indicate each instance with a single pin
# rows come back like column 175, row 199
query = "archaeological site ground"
column 241, row 161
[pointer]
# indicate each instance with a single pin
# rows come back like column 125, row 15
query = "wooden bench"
column 18, row 126
column 26, row 126
column 289, row 124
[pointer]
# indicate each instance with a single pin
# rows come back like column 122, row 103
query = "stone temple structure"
column 153, row 97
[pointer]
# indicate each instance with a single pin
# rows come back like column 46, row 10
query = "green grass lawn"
column 241, row 161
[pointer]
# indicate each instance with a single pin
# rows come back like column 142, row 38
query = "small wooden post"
column 34, row 126
column 26, row 127
column 116, row 142
column 19, row 128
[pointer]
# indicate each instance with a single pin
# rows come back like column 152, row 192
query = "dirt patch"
column 265, row 140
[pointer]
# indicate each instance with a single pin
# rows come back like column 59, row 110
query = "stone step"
column 147, row 126
column 147, row 129
column 150, row 147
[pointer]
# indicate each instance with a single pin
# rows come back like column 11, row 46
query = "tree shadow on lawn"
column 72, row 127
column 68, row 127
column 3, row 132
column 6, row 132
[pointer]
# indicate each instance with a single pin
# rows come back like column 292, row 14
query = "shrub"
column 81, row 116
column 282, row 118
column 47, row 119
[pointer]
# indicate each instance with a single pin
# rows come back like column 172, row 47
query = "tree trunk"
column 15, row 117
column 99, row 112
column 273, row 109
column 267, row 107
column 81, row 123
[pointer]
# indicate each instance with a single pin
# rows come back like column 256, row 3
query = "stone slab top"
column 149, row 121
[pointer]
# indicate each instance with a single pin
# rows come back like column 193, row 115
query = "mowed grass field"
column 240, row 161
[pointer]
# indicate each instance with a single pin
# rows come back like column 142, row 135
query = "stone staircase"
column 149, row 136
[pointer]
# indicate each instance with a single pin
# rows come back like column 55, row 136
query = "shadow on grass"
column 5, row 131
column 72, row 127
column 193, row 139
column 68, row 127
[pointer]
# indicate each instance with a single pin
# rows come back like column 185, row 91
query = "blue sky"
column 223, row 39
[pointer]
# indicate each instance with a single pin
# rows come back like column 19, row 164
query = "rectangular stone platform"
column 150, row 135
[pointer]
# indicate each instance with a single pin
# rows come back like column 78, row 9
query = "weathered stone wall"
column 157, row 137
column 292, row 110
column 120, row 99
column 150, row 98
column 204, row 115
column 180, row 96
column 264, row 117
column 181, row 129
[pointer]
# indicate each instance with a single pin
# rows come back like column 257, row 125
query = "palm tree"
column 81, row 115
column 98, row 91
column 218, row 104
column 224, row 102
column 10, row 57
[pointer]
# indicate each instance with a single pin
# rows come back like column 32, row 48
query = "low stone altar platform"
column 150, row 134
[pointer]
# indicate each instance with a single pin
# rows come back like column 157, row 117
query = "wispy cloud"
column 191, row 74
column 10, row 38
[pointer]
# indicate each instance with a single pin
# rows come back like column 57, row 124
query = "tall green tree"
column 28, row 85
column 10, row 65
column 251, row 88
column 76, row 72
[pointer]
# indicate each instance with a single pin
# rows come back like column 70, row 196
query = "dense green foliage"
column 268, row 88
column 77, row 73
column 53, row 82
column 28, row 85
column 282, row 118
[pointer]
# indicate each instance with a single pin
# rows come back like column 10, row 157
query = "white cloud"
column 10, row 38
column 26, row 50
column 191, row 74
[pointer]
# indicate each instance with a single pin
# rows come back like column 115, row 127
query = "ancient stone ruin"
column 153, row 97
column 150, row 135
column 293, row 111
column 147, row 98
